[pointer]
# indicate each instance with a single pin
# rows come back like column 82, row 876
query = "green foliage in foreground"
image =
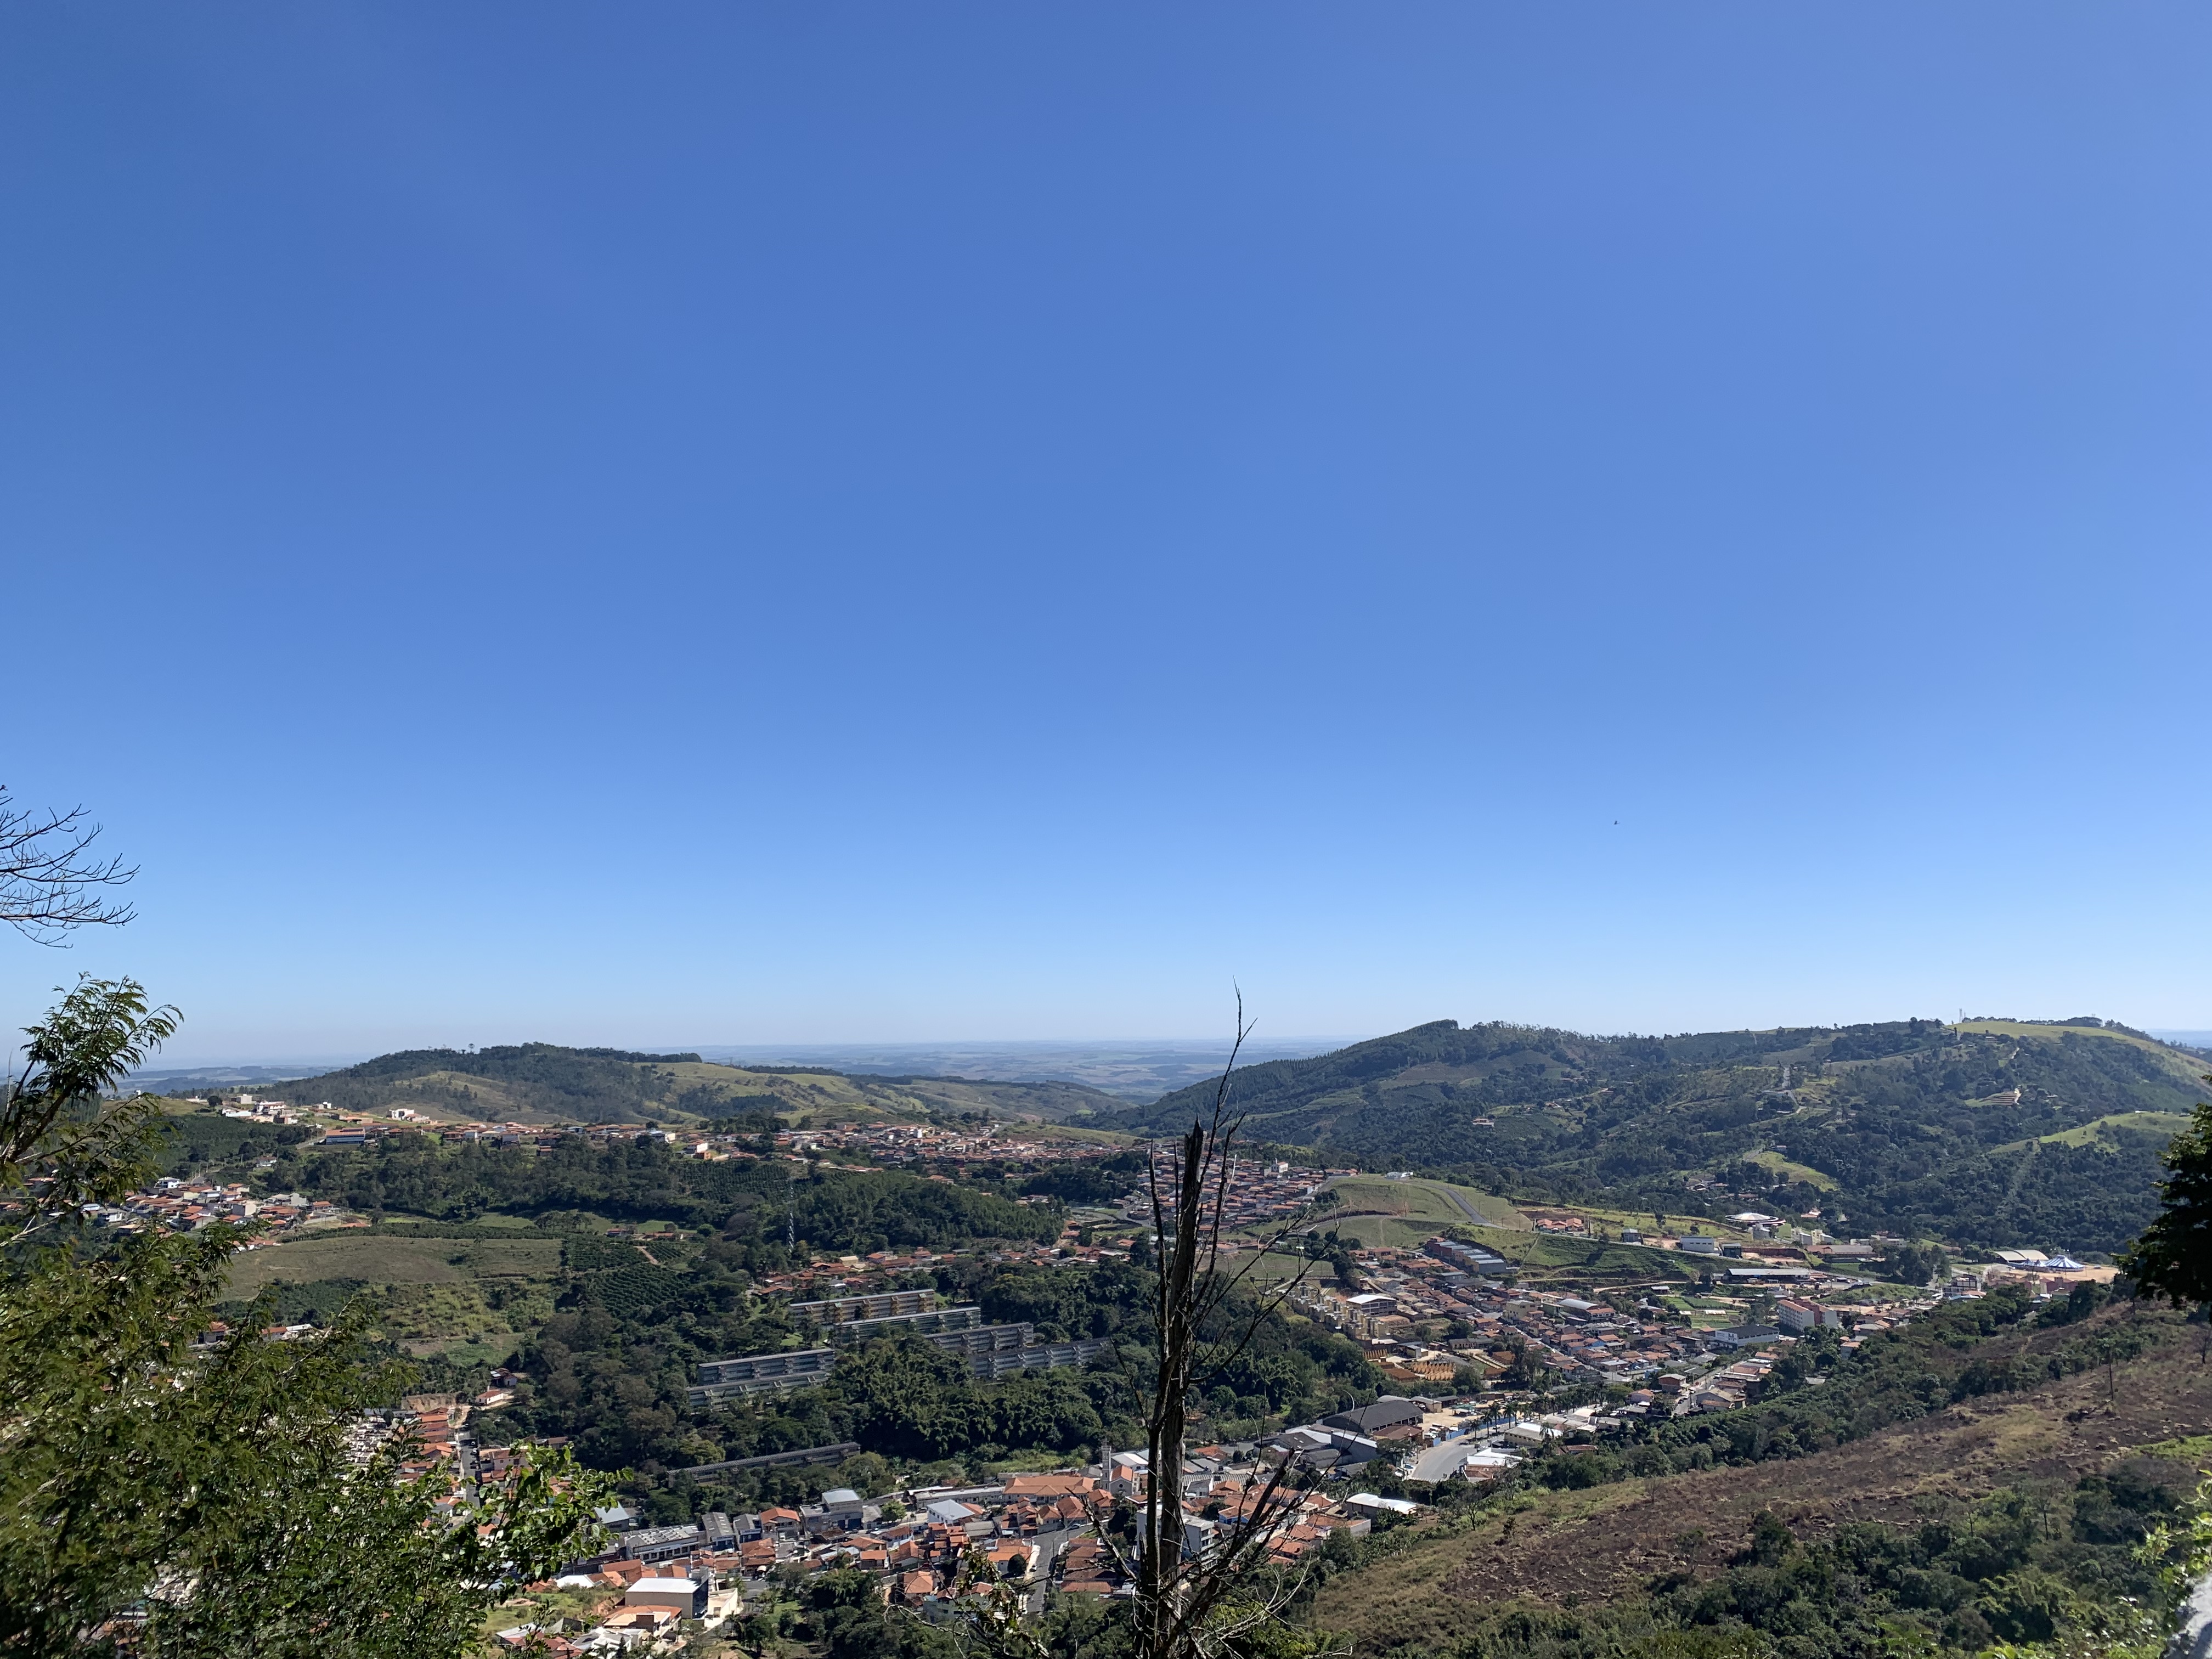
column 2173, row 1257
column 178, row 1501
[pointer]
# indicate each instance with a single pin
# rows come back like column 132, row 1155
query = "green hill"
column 545, row 1083
column 1991, row 1132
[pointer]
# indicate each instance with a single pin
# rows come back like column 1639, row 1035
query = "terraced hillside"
column 1991, row 1132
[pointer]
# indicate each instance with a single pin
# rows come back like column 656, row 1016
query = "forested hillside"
column 755, row 1206
column 1990, row 1132
column 545, row 1083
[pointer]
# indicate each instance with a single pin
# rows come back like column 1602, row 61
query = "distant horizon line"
column 301, row 1065
column 354, row 1057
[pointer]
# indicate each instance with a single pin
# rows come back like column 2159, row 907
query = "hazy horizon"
column 862, row 1055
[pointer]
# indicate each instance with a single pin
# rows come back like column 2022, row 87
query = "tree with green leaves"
column 177, row 1492
column 2173, row 1259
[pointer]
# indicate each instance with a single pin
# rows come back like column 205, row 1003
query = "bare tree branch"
column 1193, row 1603
column 49, row 878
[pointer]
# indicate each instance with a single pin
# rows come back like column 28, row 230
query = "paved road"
column 1442, row 1460
column 1460, row 1204
column 2194, row 1640
column 1049, row 1545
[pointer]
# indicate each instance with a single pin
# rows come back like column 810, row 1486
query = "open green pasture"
column 383, row 1259
column 1443, row 1202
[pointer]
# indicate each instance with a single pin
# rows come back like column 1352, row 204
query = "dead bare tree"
column 1200, row 1588
column 50, row 880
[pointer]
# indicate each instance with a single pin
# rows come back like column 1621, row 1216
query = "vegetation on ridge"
column 1988, row 1133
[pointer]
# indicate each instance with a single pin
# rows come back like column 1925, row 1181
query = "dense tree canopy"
column 2173, row 1257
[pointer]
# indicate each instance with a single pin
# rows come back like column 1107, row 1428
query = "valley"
column 573, row 1234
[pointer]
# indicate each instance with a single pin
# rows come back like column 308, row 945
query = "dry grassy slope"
column 1612, row 1541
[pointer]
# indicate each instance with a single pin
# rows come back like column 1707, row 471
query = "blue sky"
column 757, row 523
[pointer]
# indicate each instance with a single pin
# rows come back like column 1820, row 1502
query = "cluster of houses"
column 1449, row 1313
column 1257, row 1191
column 172, row 1204
column 929, row 1548
column 263, row 1111
column 937, row 1144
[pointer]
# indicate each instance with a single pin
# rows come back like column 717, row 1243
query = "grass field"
column 470, row 1299
column 375, row 1258
column 1371, row 1231
column 2165, row 1123
column 1543, row 1255
column 1783, row 1167
column 1440, row 1201
column 1271, row 1268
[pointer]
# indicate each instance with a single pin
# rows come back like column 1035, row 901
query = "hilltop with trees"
column 548, row 1083
column 1989, row 1133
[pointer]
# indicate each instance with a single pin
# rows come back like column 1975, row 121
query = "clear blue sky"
column 747, row 522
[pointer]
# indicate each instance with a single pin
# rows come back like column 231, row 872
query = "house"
column 687, row 1599
column 1527, row 1434
column 777, row 1522
column 1126, row 1472
column 649, row 1623
column 1482, row 1466
column 1368, row 1500
column 651, row 1544
column 1389, row 1412
column 1320, row 1448
column 1048, row 1486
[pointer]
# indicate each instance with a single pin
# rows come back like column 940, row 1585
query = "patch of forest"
column 1912, row 1127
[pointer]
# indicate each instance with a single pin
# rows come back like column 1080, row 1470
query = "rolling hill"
column 545, row 1083
column 1989, row 1133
